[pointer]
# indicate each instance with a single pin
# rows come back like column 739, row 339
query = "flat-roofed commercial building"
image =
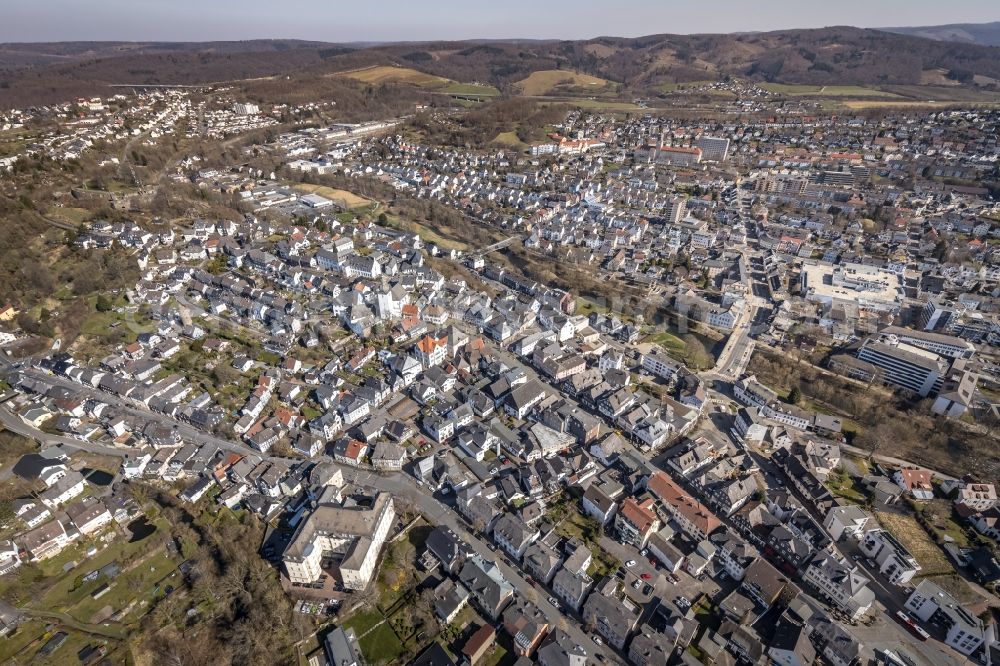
column 905, row 366
column 939, row 343
column 713, row 148
column 871, row 289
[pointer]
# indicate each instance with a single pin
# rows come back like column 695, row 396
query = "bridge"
column 499, row 245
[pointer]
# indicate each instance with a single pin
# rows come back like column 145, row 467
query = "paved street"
column 437, row 513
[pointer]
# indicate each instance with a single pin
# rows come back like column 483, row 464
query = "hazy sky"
column 396, row 20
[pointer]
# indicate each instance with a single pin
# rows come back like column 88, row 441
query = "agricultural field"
column 861, row 104
column 795, row 90
column 552, row 81
column 945, row 93
column 390, row 74
column 904, row 527
column 456, row 88
column 599, row 104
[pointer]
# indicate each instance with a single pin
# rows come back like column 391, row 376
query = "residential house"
column 915, row 481
column 636, row 522
column 489, row 589
column 611, row 619
column 514, row 535
column 841, row 584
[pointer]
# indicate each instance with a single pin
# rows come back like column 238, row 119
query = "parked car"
column 597, row 639
column 630, row 563
column 646, row 576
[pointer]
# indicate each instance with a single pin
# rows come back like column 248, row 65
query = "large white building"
column 752, row 393
column 353, row 533
column 904, row 365
column 928, row 602
column 246, row 109
column 871, row 289
column 891, row 557
column 675, row 209
column 939, row 343
column 656, row 362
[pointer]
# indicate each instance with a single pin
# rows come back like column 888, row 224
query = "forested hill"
column 48, row 73
column 984, row 34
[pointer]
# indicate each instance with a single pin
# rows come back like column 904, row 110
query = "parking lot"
column 651, row 574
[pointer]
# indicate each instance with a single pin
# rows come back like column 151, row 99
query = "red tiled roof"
column 640, row 515
column 664, row 487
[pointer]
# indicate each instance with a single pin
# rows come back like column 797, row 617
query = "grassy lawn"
column 706, row 615
column 497, row 656
column 426, row 234
column 364, row 620
column 670, row 342
column 843, row 486
column 509, row 139
column 606, row 105
column 957, row 587
column 381, row 645
column 585, row 307
column 23, row 640
column 603, row 563
column 112, row 327
column 671, row 87
column 909, row 532
column 456, row 88
column 939, row 516
column 861, row 464
column 71, row 215
column 31, row 635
